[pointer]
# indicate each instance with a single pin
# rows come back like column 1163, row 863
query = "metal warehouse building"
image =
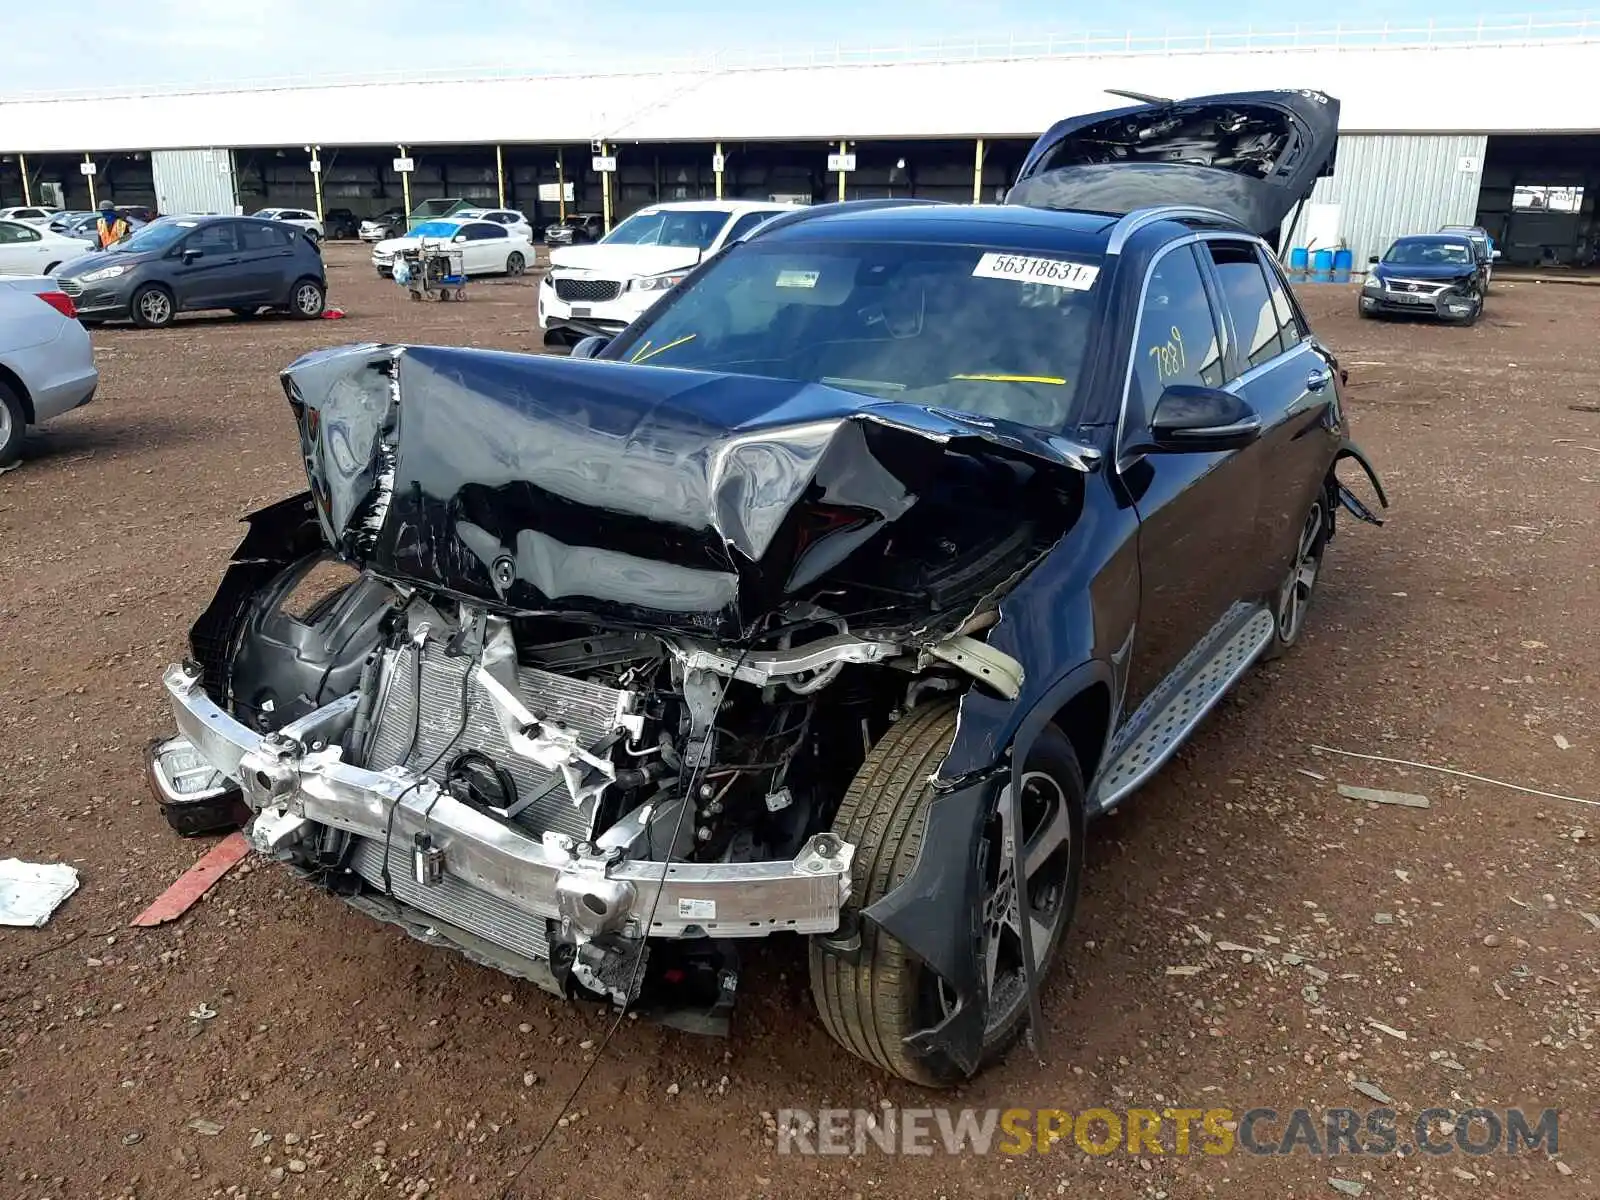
column 1497, row 124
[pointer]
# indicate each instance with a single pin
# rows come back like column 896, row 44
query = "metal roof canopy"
column 1543, row 87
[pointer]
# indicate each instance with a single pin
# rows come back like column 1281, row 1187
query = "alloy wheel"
column 1294, row 598
column 155, row 307
column 308, row 299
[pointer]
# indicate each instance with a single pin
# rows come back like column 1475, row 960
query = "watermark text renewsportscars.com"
column 1168, row 1131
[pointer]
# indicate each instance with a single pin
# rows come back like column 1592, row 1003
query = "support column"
column 316, row 181
column 977, row 174
column 405, row 190
column 27, row 189
column 719, row 163
column 561, row 184
column 500, row 173
column 93, row 203
column 605, row 191
column 844, row 148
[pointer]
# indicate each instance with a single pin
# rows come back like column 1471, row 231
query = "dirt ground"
column 345, row 1060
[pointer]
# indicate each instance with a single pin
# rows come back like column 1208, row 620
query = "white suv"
column 602, row 287
column 294, row 216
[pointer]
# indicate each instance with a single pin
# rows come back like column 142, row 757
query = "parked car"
column 1427, row 274
column 486, row 247
column 387, row 224
column 185, row 264
column 600, row 288
column 46, row 362
column 340, row 223
column 1482, row 245
column 85, row 227
column 60, row 221
column 515, row 223
column 575, row 229
column 31, row 214
column 833, row 599
column 33, row 249
column 298, row 217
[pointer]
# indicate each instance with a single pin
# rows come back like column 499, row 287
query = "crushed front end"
column 592, row 652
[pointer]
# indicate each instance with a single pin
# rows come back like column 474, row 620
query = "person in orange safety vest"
column 111, row 226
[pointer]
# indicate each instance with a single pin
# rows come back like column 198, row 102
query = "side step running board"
column 1171, row 712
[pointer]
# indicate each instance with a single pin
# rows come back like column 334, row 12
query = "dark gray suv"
column 181, row 264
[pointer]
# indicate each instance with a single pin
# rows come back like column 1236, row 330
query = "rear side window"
column 1291, row 330
column 1176, row 341
column 1245, row 296
column 264, row 237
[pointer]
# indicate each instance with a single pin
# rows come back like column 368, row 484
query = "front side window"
column 1176, row 340
column 696, row 227
column 1249, row 304
column 11, row 233
column 748, row 222
column 212, row 239
column 960, row 327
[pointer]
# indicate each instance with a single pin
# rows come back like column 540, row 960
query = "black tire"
column 1471, row 318
column 13, row 425
column 870, row 1005
column 51, row 269
column 1289, row 613
column 515, row 264
column 148, row 310
column 1365, row 313
column 307, row 299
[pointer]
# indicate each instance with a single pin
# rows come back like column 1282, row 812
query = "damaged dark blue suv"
column 832, row 598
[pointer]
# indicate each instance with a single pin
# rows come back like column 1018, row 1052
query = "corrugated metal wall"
column 194, row 181
column 1390, row 184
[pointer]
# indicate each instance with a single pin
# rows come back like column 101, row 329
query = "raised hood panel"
column 644, row 495
column 1251, row 155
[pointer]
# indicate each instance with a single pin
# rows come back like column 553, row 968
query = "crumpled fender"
column 1348, row 500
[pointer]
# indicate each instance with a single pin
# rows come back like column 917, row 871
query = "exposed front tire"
column 307, row 299
column 871, row 1005
column 13, row 425
column 515, row 264
column 153, row 307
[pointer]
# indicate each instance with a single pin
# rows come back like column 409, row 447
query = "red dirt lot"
column 345, row 1060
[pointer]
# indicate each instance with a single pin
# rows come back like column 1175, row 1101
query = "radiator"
column 588, row 708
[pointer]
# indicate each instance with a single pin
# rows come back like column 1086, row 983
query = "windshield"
column 697, row 227
column 435, row 229
column 156, row 236
column 992, row 333
column 1418, row 252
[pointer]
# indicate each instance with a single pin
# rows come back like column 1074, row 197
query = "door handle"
column 1319, row 379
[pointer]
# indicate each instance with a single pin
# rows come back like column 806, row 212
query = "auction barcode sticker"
column 697, row 910
column 1024, row 268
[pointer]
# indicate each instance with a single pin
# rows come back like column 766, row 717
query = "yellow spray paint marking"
column 642, row 357
column 1014, row 379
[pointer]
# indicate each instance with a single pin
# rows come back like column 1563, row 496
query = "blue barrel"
column 1299, row 260
column 1322, row 266
column 1343, row 262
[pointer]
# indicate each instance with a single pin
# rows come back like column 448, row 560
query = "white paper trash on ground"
column 30, row 892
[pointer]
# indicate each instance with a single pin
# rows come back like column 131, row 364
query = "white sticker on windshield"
column 798, row 279
column 1025, row 268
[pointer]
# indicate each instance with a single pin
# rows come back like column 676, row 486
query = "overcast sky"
column 170, row 42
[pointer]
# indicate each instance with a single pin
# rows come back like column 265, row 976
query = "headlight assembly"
column 104, row 273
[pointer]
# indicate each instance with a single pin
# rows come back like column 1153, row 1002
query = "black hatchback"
column 186, row 264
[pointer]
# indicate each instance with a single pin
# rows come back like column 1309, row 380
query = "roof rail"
column 1130, row 224
column 810, row 211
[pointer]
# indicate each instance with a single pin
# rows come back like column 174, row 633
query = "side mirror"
column 1191, row 419
column 1494, row 254
column 590, row 346
column 460, row 237
column 1372, row 261
column 190, row 255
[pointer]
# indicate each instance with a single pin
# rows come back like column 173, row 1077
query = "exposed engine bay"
column 1249, row 141
column 596, row 792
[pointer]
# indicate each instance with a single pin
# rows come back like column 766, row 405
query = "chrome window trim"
column 1121, row 462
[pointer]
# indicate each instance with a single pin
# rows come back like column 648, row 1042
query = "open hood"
column 1251, row 155
column 653, row 497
